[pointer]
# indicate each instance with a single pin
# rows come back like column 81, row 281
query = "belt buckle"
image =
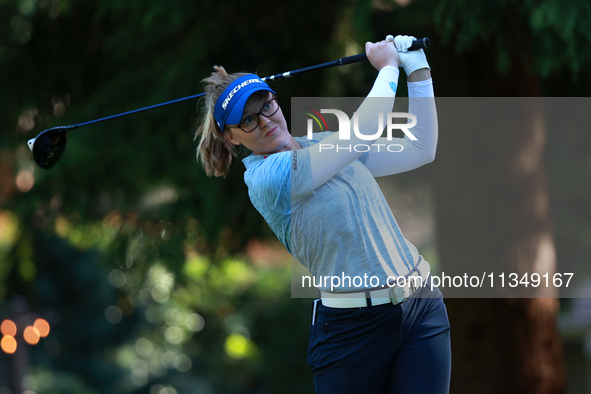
column 399, row 294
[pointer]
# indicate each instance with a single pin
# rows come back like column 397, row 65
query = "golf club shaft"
column 135, row 111
column 418, row 44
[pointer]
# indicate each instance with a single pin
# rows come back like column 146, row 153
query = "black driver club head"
column 49, row 146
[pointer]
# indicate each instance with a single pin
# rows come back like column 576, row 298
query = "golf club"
column 48, row 147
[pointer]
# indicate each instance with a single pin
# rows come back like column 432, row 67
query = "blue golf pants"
column 383, row 349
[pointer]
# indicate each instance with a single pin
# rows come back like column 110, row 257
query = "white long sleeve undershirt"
column 414, row 153
column 381, row 162
column 325, row 164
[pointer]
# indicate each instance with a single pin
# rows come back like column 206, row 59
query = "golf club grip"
column 416, row 45
column 421, row 43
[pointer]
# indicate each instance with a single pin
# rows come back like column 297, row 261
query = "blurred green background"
column 156, row 279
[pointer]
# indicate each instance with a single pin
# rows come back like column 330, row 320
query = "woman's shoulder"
column 267, row 170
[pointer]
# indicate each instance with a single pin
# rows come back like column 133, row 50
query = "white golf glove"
column 410, row 60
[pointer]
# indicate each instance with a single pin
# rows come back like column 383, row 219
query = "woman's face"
column 270, row 135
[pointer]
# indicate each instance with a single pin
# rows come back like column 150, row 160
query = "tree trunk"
column 492, row 212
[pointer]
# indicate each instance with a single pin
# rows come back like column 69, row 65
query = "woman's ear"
column 231, row 138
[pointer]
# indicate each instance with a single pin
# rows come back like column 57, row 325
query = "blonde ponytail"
column 215, row 151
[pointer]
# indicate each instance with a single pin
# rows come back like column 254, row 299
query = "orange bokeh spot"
column 31, row 335
column 8, row 328
column 8, row 344
column 42, row 326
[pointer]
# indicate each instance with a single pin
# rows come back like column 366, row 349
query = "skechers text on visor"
column 230, row 105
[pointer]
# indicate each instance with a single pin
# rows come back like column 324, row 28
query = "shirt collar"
column 252, row 159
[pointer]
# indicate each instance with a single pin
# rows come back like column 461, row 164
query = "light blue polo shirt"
column 345, row 226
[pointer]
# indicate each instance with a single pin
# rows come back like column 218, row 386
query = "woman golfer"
column 325, row 206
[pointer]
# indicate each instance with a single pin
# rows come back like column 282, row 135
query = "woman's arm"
column 408, row 154
column 325, row 164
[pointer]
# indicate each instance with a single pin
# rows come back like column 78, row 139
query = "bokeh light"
column 185, row 363
column 144, row 347
column 31, row 335
column 26, row 122
column 161, row 389
column 8, row 344
column 195, row 322
column 237, row 346
column 25, row 181
column 170, row 360
column 42, row 326
column 117, row 278
column 8, row 327
column 173, row 335
column 160, row 294
column 113, row 314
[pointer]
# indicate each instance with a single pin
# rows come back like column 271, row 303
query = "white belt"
column 395, row 294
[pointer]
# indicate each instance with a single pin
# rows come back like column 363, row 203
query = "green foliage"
column 138, row 255
column 116, row 224
column 562, row 35
column 545, row 36
column 44, row 381
column 119, row 330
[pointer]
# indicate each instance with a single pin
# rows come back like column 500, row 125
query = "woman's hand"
column 414, row 62
column 381, row 54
